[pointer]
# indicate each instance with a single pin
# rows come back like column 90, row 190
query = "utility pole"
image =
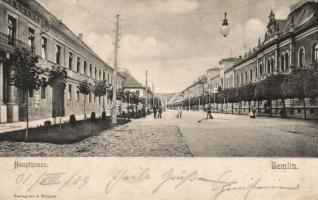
column 114, row 81
column 146, row 91
column 153, row 94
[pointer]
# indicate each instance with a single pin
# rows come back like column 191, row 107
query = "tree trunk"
column 60, row 114
column 84, row 110
column 284, row 109
column 271, row 108
column 27, row 117
column 249, row 106
column 304, row 104
column 232, row 108
column 258, row 108
column 240, row 105
column 103, row 103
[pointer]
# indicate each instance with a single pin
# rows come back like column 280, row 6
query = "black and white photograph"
column 162, row 79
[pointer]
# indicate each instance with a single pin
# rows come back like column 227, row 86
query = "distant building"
column 288, row 44
column 134, row 86
column 197, row 89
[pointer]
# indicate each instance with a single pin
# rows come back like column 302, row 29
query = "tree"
column 264, row 90
column 311, row 89
column 260, row 93
column 26, row 76
column 274, row 89
column 84, row 88
column 230, row 94
column 248, row 93
column 58, row 79
column 300, row 84
column 239, row 95
column 100, row 90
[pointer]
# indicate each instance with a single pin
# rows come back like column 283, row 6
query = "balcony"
column 9, row 45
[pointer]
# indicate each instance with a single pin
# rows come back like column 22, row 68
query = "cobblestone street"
column 225, row 135
column 138, row 138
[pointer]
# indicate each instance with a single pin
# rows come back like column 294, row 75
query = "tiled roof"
column 58, row 25
column 302, row 15
column 130, row 81
column 281, row 23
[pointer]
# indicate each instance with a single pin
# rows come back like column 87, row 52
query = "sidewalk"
column 10, row 127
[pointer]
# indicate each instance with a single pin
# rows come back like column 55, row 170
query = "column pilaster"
column 3, row 107
column 13, row 108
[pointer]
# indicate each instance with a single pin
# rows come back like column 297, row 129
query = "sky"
column 175, row 40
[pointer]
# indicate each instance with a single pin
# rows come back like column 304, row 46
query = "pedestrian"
column 252, row 114
column 143, row 110
column 209, row 113
column 180, row 112
column 160, row 112
column 154, row 112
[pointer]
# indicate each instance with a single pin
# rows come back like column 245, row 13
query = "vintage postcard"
column 158, row 99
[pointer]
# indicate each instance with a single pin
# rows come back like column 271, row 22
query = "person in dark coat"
column 160, row 112
column 155, row 112
column 209, row 113
column 143, row 110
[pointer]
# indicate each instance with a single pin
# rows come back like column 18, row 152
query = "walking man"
column 155, row 112
column 160, row 112
column 143, row 110
column 209, row 113
column 180, row 112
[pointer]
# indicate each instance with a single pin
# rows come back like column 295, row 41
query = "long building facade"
column 25, row 23
column 288, row 44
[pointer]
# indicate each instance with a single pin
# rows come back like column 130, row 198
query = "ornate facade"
column 288, row 44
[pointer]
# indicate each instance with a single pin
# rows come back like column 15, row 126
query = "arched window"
column 286, row 61
column 301, row 57
column 256, row 72
column 261, row 70
column 282, row 63
column 272, row 65
column 315, row 53
column 268, row 66
column 246, row 80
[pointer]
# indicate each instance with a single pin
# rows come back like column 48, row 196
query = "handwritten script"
column 222, row 184
column 171, row 180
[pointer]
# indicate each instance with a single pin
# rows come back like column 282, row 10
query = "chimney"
column 80, row 36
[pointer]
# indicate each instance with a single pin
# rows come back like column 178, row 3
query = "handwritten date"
column 60, row 180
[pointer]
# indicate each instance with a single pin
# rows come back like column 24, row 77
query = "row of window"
column 301, row 55
column 88, row 71
column 284, row 64
column 90, row 97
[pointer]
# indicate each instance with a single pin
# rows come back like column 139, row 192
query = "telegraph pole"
column 146, row 91
column 114, row 81
column 153, row 94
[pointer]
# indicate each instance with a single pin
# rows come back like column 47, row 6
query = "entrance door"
column 58, row 102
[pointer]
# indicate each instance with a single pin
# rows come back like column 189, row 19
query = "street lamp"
column 225, row 29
